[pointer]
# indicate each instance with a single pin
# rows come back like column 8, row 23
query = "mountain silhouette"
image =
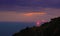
column 51, row 28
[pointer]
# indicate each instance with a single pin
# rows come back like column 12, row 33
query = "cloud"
column 7, row 5
column 8, row 2
column 8, row 16
column 26, row 5
column 41, row 3
column 28, row 10
column 36, row 5
column 12, row 16
column 35, row 13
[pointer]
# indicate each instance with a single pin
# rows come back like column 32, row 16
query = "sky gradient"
column 28, row 10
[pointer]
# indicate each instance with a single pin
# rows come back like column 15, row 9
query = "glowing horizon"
column 29, row 10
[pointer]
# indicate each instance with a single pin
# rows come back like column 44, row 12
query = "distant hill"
column 51, row 28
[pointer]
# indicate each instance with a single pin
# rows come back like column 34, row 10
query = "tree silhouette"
column 51, row 28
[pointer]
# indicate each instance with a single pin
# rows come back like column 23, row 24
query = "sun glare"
column 38, row 23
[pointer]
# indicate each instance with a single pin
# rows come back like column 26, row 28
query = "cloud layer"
column 13, row 10
column 12, row 16
column 28, row 4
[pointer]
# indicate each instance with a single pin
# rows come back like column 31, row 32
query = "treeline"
column 51, row 28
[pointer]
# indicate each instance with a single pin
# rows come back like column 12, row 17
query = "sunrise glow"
column 38, row 23
column 31, row 14
column 28, row 14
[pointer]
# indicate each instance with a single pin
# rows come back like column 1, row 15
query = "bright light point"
column 38, row 23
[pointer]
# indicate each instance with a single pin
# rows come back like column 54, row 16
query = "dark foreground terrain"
column 51, row 28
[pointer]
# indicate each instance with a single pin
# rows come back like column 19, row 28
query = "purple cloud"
column 30, row 4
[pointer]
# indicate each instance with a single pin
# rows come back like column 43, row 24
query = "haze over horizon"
column 28, row 10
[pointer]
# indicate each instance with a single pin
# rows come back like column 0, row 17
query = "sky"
column 28, row 10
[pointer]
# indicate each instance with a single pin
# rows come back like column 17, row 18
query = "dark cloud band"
column 32, row 4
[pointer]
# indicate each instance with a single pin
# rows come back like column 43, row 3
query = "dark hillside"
column 51, row 28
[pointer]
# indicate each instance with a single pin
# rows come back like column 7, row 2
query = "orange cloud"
column 28, row 14
column 31, row 14
column 41, row 13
